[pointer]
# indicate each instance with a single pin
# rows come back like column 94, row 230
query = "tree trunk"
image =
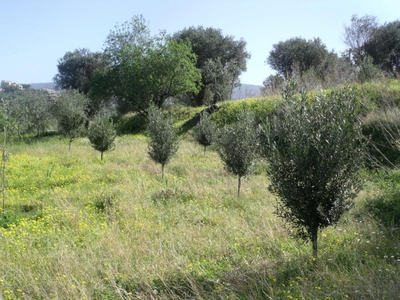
column 69, row 145
column 205, row 147
column 314, row 240
column 4, row 160
column 239, row 184
column 199, row 98
column 101, row 155
column 162, row 171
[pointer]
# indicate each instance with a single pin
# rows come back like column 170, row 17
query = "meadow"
column 76, row 227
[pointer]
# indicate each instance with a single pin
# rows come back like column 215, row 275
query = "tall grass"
column 81, row 228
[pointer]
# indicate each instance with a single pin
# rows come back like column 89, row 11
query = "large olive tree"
column 221, row 59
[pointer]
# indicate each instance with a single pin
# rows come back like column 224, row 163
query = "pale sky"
column 35, row 34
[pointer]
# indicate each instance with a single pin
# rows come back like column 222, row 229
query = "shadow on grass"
column 14, row 213
column 386, row 209
column 356, row 271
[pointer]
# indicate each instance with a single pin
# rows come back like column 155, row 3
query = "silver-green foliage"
column 29, row 111
column 315, row 150
column 238, row 145
column 70, row 111
column 102, row 134
column 163, row 142
column 206, row 131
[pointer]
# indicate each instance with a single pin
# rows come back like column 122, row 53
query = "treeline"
column 201, row 66
column 196, row 66
column 373, row 53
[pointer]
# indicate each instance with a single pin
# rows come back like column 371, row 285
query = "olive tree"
column 102, row 134
column 206, row 131
column 238, row 144
column 163, row 142
column 70, row 113
column 221, row 59
column 315, row 150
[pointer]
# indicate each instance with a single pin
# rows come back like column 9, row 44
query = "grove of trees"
column 314, row 147
column 373, row 52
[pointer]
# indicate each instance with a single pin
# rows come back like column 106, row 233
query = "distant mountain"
column 47, row 85
column 241, row 92
column 246, row 91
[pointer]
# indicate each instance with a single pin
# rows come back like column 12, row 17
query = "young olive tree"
column 102, row 134
column 70, row 112
column 238, row 145
column 315, row 150
column 163, row 142
column 206, row 131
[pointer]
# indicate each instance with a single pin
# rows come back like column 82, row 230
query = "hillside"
column 77, row 227
column 47, row 85
column 244, row 91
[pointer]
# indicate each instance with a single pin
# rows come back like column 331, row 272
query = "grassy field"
column 80, row 228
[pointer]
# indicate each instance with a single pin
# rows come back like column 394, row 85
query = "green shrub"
column 386, row 209
column 130, row 123
column 382, row 127
column 206, row 131
column 7, row 219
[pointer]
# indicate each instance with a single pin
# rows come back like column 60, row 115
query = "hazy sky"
column 34, row 34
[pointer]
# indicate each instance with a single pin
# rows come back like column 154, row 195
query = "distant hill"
column 241, row 92
column 246, row 91
column 47, row 85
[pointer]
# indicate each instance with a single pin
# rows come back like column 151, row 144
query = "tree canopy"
column 145, row 69
column 357, row 34
column 384, row 47
column 221, row 60
column 77, row 68
column 371, row 44
column 298, row 53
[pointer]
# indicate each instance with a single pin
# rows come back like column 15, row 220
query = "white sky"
column 34, row 34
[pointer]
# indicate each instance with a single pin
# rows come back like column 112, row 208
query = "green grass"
column 80, row 228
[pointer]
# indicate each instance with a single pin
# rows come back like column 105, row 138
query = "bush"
column 386, row 207
column 382, row 127
column 131, row 123
column 206, row 131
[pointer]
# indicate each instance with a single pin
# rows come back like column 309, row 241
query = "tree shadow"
column 386, row 209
